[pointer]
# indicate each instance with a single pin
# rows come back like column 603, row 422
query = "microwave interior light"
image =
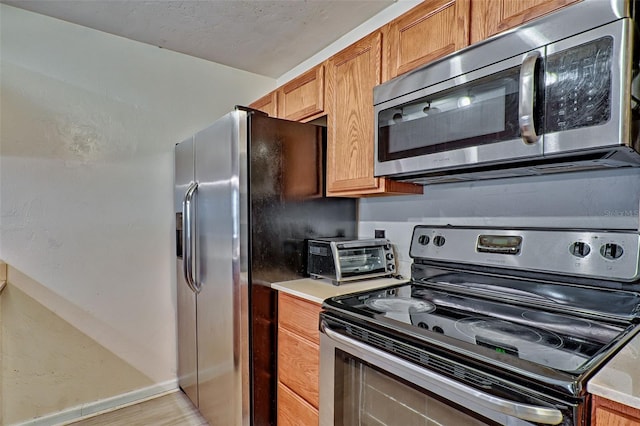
column 464, row 101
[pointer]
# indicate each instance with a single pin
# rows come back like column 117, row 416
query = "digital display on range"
column 504, row 244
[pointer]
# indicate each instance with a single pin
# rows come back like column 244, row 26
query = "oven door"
column 362, row 385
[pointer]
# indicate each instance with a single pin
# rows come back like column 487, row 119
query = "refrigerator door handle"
column 188, row 242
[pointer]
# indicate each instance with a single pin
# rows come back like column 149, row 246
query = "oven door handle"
column 532, row 413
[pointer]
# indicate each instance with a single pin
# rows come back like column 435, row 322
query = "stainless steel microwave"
column 556, row 94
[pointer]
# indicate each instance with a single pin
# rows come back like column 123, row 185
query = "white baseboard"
column 104, row 405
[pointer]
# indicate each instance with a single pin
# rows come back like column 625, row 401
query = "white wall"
column 88, row 125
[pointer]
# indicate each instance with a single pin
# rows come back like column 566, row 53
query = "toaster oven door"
column 488, row 115
column 358, row 261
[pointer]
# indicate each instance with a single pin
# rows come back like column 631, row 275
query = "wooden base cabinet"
column 293, row 410
column 605, row 412
column 298, row 361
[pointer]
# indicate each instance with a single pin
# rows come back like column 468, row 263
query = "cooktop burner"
column 551, row 319
column 505, row 332
column 401, row 305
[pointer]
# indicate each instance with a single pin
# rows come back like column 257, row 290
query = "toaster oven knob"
column 389, row 256
column 611, row 251
column 391, row 266
column 423, row 240
column 438, row 240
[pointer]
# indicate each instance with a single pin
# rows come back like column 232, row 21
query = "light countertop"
column 319, row 290
column 619, row 379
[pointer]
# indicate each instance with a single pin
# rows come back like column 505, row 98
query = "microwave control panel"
column 578, row 86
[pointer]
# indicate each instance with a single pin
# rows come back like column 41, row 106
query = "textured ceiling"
column 264, row 37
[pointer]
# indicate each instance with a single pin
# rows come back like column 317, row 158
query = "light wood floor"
column 171, row 410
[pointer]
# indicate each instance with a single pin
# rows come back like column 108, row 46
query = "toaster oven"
column 343, row 259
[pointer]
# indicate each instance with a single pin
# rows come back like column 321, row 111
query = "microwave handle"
column 526, row 113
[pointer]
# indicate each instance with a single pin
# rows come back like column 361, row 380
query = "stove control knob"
column 611, row 251
column 438, row 329
column 389, row 256
column 438, row 240
column 580, row 249
column 423, row 239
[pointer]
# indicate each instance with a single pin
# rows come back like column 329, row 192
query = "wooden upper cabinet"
column 429, row 31
column 351, row 76
column 268, row 103
column 303, row 97
column 490, row 17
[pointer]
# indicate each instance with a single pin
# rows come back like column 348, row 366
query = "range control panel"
column 610, row 255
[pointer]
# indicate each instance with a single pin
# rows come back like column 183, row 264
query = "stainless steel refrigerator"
column 249, row 191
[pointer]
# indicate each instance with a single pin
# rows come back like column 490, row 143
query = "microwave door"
column 588, row 93
column 476, row 119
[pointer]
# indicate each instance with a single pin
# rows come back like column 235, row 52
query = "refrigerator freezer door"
column 223, row 360
column 187, row 355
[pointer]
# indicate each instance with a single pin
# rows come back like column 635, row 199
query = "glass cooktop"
column 553, row 339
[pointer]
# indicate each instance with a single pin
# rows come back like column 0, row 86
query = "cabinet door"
column 429, row 31
column 268, row 104
column 299, row 316
column 351, row 76
column 302, row 97
column 293, row 410
column 605, row 412
column 298, row 365
column 489, row 17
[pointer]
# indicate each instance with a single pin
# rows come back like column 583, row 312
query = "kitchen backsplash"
column 603, row 199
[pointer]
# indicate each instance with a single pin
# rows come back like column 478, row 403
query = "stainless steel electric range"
column 496, row 326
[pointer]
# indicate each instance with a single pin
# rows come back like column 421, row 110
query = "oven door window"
column 372, row 397
column 358, row 261
column 479, row 112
